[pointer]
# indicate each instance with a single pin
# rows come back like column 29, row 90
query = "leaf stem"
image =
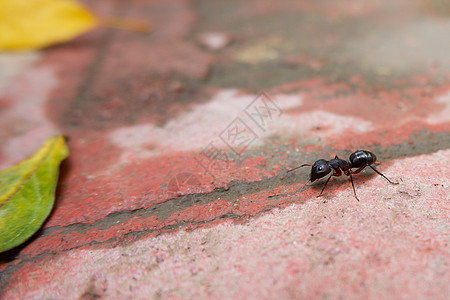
column 126, row 24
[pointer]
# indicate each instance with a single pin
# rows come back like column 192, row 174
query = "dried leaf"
column 27, row 193
column 34, row 24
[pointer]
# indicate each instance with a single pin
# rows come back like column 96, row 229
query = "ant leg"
column 353, row 185
column 359, row 170
column 383, row 175
column 325, row 185
column 304, row 165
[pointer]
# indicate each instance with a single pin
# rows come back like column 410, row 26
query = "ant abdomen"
column 362, row 158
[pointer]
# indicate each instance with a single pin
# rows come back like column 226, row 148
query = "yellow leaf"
column 34, row 24
column 27, row 193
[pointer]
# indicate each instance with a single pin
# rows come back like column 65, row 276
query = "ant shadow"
column 337, row 182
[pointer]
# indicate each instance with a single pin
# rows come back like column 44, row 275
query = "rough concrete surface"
column 177, row 186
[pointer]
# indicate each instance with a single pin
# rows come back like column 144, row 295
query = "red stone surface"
column 143, row 211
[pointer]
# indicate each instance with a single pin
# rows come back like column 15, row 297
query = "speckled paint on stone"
column 137, row 216
column 337, row 248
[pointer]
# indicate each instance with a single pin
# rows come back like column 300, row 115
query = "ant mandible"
column 358, row 159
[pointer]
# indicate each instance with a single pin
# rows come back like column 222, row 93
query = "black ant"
column 358, row 159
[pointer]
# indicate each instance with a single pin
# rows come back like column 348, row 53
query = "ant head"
column 320, row 169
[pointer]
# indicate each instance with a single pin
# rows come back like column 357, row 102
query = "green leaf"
column 27, row 193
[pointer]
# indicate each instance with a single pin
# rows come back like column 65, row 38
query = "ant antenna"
column 304, row 165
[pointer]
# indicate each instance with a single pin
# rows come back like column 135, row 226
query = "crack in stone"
column 237, row 189
column 163, row 210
